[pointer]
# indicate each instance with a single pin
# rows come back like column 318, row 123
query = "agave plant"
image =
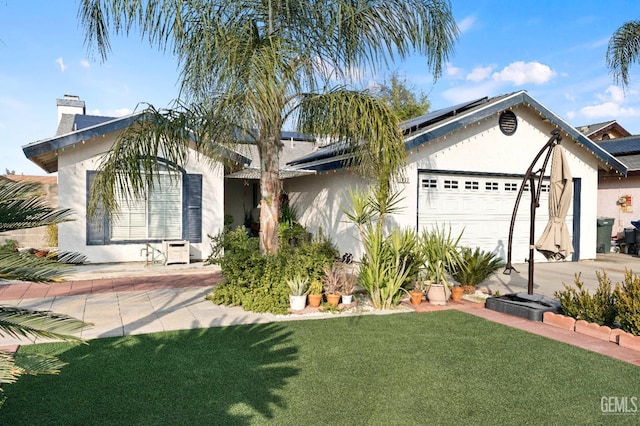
column 298, row 285
column 22, row 206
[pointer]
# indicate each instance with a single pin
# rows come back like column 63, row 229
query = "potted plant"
column 441, row 257
column 332, row 284
column 477, row 266
column 417, row 292
column 348, row 285
column 315, row 293
column 298, row 296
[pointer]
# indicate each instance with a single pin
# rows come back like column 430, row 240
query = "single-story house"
column 182, row 212
column 465, row 166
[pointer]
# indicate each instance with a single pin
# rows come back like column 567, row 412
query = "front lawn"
column 443, row 367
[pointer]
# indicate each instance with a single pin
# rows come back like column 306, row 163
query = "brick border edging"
column 602, row 332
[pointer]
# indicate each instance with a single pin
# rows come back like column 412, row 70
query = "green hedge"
column 617, row 306
column 258, row 282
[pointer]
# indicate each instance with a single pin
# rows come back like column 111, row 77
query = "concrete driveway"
column 550, row 276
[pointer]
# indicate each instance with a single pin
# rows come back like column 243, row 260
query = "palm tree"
column 22, row 206
column 623, row 50
column 248, row 67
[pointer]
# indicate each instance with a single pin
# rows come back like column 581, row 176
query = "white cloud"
column 85, row 63
column 612, row 93
column 479, row 73
column 520, row 73
column 464, row 93
column 466, row 24
column 612, row 105
column 608, row 109
column 122, row 111
column 61, row 64
column 452, row 71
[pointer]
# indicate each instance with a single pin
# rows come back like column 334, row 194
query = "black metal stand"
column 527, row 305
column 532, row 177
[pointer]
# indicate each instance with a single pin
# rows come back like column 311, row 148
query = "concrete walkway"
column 129, row 299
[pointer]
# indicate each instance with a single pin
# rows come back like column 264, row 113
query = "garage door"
column 481, row 207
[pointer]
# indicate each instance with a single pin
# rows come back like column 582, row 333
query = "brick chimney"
column 70, row 104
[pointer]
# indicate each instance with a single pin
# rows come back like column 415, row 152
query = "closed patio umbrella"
column 555, row 243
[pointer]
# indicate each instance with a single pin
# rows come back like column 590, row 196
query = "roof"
column 625, row 149
column 44, row 180
column 424, row 129
column 71, row 122
column 620, row 146
column 44, row 152
column 604, row 130
column 253, row 173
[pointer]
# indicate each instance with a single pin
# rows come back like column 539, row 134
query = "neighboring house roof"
column 604, row 131
column 625, row 149
column 428, row 127
column 44, row 180
column 44, row 152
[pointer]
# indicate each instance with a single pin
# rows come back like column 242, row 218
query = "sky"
column 555, row 50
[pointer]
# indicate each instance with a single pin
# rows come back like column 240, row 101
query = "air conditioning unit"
column 175, row 251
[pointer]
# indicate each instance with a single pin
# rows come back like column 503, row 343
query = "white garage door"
column 481, row 207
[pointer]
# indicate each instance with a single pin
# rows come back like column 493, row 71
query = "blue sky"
column 553, row 49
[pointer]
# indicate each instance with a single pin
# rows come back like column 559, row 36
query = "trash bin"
column 605, row 228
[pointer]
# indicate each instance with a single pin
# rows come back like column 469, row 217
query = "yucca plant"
column 440, row 253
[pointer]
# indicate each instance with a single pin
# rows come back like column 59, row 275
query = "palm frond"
column 623, row 51
column 20, row 322
column 23, row 206
column 364, row 129
column 37, row 363
column 27, row 267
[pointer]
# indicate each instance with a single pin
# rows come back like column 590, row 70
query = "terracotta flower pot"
column 416, row 297
column 333, row 299
column 456, row 293
column 314, row 300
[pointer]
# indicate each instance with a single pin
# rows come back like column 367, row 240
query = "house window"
column 171, row 209
column 491, row 186
column 510, row 186
column 156, row 217
column 429, row 183
column 450, row 184
column 471, row 184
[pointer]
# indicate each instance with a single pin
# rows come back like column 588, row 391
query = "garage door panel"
column 482, row 206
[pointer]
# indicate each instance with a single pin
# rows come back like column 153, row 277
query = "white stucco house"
column 465, row 166
column 181, row 213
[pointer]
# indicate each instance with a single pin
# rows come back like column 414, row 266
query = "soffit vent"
column 508, row 122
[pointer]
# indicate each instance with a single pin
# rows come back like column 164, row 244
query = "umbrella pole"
column 535, row 202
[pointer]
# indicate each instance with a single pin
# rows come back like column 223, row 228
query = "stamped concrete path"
column 136, row 299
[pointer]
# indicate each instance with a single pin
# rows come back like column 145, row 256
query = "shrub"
column 627, row 297
column 476, row 266
column 578, row 303
column 259, row 282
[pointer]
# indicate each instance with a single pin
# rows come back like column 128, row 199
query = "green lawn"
column 433, row 368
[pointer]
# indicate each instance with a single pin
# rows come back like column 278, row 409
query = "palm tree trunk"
column 269, row 194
